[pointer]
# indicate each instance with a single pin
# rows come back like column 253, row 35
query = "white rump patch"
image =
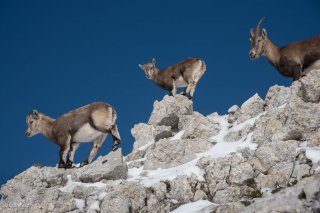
column 86, row 134
column 197, row 72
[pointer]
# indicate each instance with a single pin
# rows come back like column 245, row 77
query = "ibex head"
column 258, row 42
column 33, row 123
column 149, row 68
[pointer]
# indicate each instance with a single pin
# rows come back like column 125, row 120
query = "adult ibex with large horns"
column 293, row 60
column 90, row 123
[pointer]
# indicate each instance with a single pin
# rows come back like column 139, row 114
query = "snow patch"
column 313, row 153
column 68, row 188
column 144, row 147
column 178, row 136
column 194, row 207
column 94, row 206
column 80, row 204
column 222, row 148
column 151, row 177
column 102, row 195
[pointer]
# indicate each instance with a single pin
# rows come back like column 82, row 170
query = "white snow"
column 222, row 148
column 80, row 204
column 94, row 206
column 68, row 188
column 102, row 195
column 151, row 177
column 194, row 207
column 144, row 147
column 178, row 135
column 313, row 153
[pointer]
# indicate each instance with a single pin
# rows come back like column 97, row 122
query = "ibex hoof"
column 69, row 164
column 61, row 165
column 84, row 163
column 115, row 147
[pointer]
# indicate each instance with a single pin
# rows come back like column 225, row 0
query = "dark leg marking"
column 296, row 72
column 86, row 162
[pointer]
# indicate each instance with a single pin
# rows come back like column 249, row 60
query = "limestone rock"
column 169, row 111
column 251, row 108
column 199, row 127
column 110, row 167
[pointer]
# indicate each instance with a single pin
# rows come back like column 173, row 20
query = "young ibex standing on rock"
column 184, row 74
column 90, row 123
column 294, row 60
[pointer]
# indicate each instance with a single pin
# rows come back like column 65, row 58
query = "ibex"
column 90, row 123
column 184, row 74
column 294, row 60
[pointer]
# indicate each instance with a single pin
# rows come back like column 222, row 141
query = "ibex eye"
column 30, row 122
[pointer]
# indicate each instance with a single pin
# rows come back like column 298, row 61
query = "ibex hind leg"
column 116, row 137
column 191, row 89
column 97, row 143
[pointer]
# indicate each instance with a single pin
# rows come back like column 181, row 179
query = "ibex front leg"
column 96, row 146
column 73, row 147
column 173, row 92
column 296, row 72
column 64, row 142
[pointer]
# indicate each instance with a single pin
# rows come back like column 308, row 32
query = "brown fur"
column 293, row 60
column 64, row 131
column 190, row 70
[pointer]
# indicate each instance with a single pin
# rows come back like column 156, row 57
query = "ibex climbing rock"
column 293, row 60
column 90, row 123
column 184, row 74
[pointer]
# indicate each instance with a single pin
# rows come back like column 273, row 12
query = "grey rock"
column 163, row 155
column 233, row 113
column 237, row 135
column 199, row 127
column 143, row 134
column 181, row 189
column 291, row 199
column 169, row 111
column 109, row 167
column 269, row 154
column 251, row 108
column 277, row 96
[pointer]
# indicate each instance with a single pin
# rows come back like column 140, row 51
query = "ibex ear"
column 141, row 66
column 35, row 114
column 154, row 61
column 264, row 33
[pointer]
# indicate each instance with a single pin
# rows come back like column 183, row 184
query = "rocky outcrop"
column 260, row 157
column 50, row 189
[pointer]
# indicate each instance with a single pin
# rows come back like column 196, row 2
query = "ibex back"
column 184, row 74
column 90, row 123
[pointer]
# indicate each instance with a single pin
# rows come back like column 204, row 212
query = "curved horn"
column 257, row 31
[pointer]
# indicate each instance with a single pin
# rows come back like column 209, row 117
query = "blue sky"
column 56, row 56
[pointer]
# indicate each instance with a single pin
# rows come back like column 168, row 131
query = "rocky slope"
column 260, row 157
